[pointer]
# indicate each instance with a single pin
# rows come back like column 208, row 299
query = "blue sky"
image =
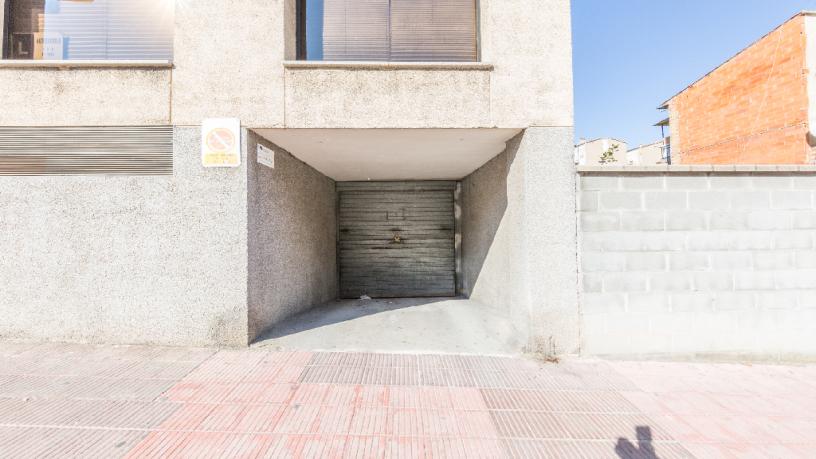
column 631, row 55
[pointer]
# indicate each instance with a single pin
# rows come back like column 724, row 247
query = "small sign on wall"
column 266, row 156
column 221, row 142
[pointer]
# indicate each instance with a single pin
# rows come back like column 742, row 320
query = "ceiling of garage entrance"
column 392, row 154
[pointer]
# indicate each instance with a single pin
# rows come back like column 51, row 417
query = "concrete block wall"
column 714, row 263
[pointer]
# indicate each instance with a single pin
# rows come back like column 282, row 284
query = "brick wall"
column 751, row 110
column 698, row 263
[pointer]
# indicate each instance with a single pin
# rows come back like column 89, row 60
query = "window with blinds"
column 388, row 30
column 89, row 29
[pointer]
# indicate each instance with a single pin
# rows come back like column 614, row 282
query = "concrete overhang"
column 392, row 154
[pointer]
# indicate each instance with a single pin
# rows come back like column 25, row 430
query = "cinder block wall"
column 715, row 263
column 734, row 115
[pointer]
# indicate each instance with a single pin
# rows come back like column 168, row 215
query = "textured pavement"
column 132, row 401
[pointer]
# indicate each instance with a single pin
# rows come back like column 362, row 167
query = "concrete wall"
column 519, row 238
column 227, row 60
column 126, row 259
column 734, row 115
column 292, row 237
column 89, row 97
column 530, row 44
column 713, row 263
column 386, row 97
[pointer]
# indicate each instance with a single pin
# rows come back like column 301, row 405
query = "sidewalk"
column 132, row 401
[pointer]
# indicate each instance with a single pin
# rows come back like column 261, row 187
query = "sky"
column 629, row 56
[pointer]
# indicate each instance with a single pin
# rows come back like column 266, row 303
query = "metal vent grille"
column 116, row 150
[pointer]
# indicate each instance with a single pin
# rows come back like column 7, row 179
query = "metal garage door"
column 396, row 239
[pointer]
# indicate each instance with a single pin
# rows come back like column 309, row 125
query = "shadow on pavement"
column 644, row 449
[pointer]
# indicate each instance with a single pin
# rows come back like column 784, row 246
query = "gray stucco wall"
column 702, row 263
column 126, row 259
column 292, row 238
column 519, row 238
column 88, row 96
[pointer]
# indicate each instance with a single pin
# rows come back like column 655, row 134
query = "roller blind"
column 355, row 30
column 399, row 30
column 433, row 30
column 91, row 29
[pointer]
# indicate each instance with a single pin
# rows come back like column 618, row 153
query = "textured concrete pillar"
column 549, row 238
column 519, row 238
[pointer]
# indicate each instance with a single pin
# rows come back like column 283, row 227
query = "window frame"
column 4, row 41
column 300, row 33
column 6, row 51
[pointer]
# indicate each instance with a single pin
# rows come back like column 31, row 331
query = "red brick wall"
column 752, row 110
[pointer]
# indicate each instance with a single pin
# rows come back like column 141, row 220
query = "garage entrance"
column 397, row 239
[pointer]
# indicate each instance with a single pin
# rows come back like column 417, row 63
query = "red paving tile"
column 132, row 401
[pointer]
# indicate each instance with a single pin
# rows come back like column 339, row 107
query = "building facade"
column 434, row 132
column 756, row 108
column 655, row 153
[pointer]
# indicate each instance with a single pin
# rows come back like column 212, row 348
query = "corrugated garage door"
column 396, row 239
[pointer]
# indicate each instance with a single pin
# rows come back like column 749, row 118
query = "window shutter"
column 433, row 30
column 355, row 30
column 83, row 150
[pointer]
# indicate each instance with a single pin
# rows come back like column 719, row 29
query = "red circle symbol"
column 220, row 140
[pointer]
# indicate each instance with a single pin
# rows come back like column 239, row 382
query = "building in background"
column 756, row 108
column 655, row 153
column 592, row 152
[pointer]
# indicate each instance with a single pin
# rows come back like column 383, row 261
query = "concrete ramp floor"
column 406, row 325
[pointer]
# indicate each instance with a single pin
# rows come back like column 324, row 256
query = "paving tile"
column 435, row 398
column 475, row 424
column 467, row 398
column 341, row 395
column 259, row 418
column 298, row 419
column 483, row 448
column 545, row 449
column 530, row 425
column 611, row 426
column 370, row 421
column 223, row 418
column 446, row 447
column 405, row 397
column 307, row 446
column 106, row 401
column 160, row 445
column 309, row 394
column 373, row 396
column 365, row 447
column 410, row 447
column 334, row 420
column 187, row 416
column 406, row 422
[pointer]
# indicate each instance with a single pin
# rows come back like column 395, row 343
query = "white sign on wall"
column 266, row 156
column 221, row 142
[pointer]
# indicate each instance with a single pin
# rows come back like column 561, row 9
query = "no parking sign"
column 221, row 142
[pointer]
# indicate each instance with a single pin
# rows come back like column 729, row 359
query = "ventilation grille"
column 125, row 150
